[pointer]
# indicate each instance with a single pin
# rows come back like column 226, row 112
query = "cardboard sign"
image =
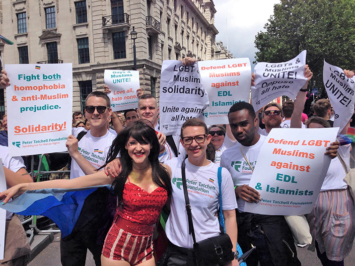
column 226, row 82
column 277, row 79
column 40, row 102
column 290, row 170
column 182, row 96
column 123, row 86
column 340, row 90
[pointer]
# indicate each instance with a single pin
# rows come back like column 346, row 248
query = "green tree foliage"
column 325, row 28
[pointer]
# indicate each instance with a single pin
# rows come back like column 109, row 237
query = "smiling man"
column 89, row 154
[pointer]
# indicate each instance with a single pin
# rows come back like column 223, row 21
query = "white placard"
column 2, row 213
column 226, row 82
column 39, row 104
column 340, row 90
column 123, row 86
column 290, row 170
column 277, row 79
column 182, row 96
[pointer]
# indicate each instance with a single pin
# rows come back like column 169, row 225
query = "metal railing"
column 55, row 61
column 115, row 20
column 150, row 21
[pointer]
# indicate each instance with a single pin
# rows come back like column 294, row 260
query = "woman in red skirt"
column 142, row 189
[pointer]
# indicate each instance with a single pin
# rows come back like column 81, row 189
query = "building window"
column 153, row 82
column 182, row 38
column 162, row 52
column 176, row 32
column 182, row 12
column 168, row 26
column 175, row 6
column 23, row 54
column 177, row 56
column 52, row 53
column 119, row 45
column 188, row 44
column 83, row 50
column 150, row 47
column 85, row 90
column 187, row 18
column 21, row 23
column 169, row 50
column 81, row 13
column 117, row 11
column 192, row 23
column 50, row 17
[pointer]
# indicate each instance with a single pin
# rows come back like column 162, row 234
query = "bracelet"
column 304, row 90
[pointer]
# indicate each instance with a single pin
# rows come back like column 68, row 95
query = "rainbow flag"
column 211, row 180
column 97, row 150
column 38, row 67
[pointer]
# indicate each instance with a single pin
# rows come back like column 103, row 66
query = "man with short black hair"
column 131, row 116
column 78, row 115
column 268, row 233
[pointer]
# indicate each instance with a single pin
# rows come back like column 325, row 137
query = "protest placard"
column 290, row 170
column 340, row 90
column 2, row 214
column 41, row 100
column 123, row 86
column 226, row 82
column 278, row 79
column 182, row 96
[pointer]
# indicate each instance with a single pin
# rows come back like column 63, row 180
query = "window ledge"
column 21, row 34
column 81, row 24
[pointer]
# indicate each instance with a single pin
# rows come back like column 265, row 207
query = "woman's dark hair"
column 210, row 152
column 145, row 135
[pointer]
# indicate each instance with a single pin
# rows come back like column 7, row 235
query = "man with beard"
column 271, row 118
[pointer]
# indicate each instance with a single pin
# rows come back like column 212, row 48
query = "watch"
column 236, row 254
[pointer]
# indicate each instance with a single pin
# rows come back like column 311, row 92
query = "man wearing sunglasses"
column 88, row 155
column 271, row 118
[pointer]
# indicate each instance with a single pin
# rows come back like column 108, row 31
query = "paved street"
column 50, row 256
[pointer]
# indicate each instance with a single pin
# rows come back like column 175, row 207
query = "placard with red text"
column 226, row 82
column 290, row 170
column 123, row 86
column 39, row 108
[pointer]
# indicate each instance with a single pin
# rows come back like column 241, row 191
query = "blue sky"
column 245, row 19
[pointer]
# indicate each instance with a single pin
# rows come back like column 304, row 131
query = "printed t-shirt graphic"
column 94, row 150
column 202, row 186
column 233, row 160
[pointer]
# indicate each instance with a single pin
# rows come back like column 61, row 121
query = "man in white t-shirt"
column 88, row 155
column 148, row 110
column 268, row 233
column 17, row 247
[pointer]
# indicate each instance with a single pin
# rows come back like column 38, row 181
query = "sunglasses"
column 91, row 109
column 198, row 139
column 272, row 112
column 219, row 133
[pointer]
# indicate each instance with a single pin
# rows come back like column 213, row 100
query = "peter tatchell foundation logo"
column 17, row 144
column 177, row 182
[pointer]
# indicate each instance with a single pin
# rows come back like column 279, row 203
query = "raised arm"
column 296, row 118
column 99, row 178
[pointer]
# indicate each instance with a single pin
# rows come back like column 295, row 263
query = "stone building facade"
column 221, row 51
column 94, row 35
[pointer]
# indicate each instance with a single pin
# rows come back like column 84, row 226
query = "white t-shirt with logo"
column 94, row 150
column 287, row 124
column 77, row 130
column 12, row 163
column 334, row 179
column 203, row 190
column 234, row 161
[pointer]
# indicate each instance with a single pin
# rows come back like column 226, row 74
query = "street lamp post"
column 134, row 37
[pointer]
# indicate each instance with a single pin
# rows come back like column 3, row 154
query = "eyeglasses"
column 91, row 109
column 219, row 133
column 272, row 112
column 198, row 139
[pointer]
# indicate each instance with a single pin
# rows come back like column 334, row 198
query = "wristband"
column 304, row 90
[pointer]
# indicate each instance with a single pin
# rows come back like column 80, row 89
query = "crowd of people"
column 149, row 171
